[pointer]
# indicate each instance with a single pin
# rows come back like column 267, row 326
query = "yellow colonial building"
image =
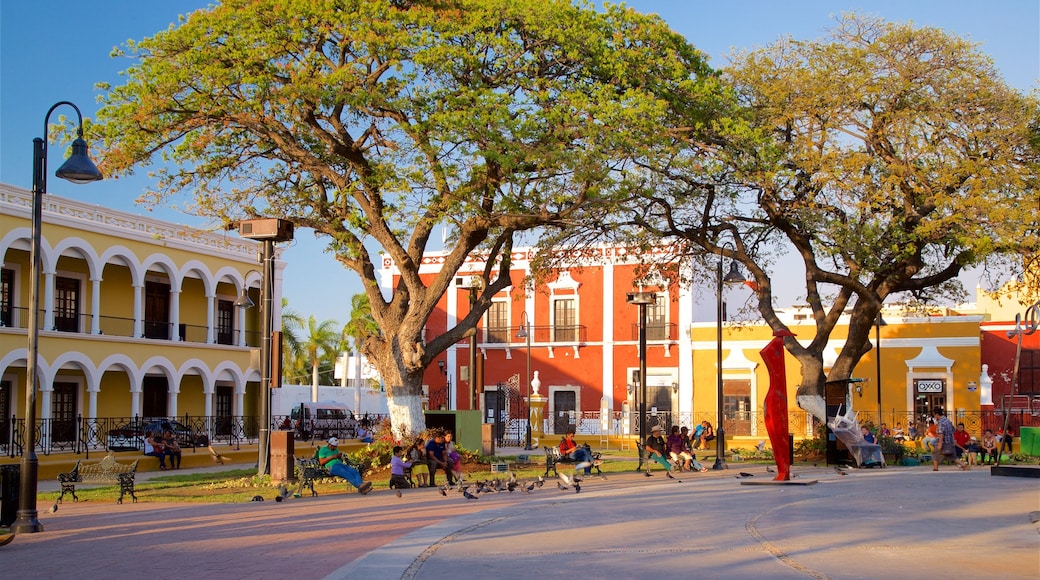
column 139, row 323
column 924, row 362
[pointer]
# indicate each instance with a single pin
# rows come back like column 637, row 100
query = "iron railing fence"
column 83, row 435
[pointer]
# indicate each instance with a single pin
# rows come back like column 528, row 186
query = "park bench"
column 312, row 470
column 553, row 456
column 106, row 471
column 645, row 462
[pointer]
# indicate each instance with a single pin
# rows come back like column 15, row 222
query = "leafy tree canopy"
column 888, row 158
column 376, row 122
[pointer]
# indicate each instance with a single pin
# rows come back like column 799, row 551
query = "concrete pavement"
column 896, row 523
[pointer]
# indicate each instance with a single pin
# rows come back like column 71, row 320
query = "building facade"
column 139, row 321
column 584, row 354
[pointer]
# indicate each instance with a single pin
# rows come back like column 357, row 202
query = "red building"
column 583, row 342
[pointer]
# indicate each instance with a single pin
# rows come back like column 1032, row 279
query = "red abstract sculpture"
column 776, row 404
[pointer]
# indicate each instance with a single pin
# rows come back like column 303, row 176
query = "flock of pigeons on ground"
column 472, row 490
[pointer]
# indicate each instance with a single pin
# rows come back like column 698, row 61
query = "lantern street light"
column 525, row 333
column 642, row 299
column 78, row 168
column 733, row 277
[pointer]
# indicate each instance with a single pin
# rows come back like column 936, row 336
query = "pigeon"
column 283, row 492
column 54, row 508
column 466, row 494
column 444, row 491
column 279, row 498
column 529, row 487
column 258, row 498
column 761, row 445
column 561, row 486
column 669, row 474
column 840, row 471
column 511, row 486
column 512, row 477
column 745, row 474
column 398, row 493
column 541, row 481
column 648, row 474
column 577, row 487
column 217, row 458
column 770, row 469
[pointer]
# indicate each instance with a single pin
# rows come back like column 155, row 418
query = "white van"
column 323, row 420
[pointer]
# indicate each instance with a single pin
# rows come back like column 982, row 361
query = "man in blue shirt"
column 437, row 459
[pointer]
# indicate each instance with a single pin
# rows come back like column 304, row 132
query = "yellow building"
column 925, row 362
column 139, row 321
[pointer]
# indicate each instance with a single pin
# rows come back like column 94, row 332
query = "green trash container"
column 1029, row 441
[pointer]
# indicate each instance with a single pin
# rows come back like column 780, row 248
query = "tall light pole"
column 78, row 168
column 643, row 299
column 878, row 323
column 733, row 277
column 525, row 333
column 268, row 231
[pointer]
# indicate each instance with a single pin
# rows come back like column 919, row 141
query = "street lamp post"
column 525, row 333
column 878, row 323
column 78, row 168
column 268, row 231
column 733, row 277
column 643, row 299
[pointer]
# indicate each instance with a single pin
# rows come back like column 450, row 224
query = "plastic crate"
column 499, row 467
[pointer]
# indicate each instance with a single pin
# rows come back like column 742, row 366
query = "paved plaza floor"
column 900, row 522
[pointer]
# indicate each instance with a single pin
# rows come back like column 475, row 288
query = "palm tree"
column 293, row 360
column 321, row 342
column 362, row 325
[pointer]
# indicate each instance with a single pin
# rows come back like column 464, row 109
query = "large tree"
column 887, row 158
column 375, row 123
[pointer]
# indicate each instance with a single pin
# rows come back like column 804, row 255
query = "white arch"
column 165, row 263
column 233, row 372
column 128, row 258
column 86, row 365
column 127, row 364
column 163, row 364
column 11, row 239
column 197, row 365
column 208, row 281
column 86, row 252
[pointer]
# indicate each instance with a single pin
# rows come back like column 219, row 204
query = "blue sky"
column 54, row 50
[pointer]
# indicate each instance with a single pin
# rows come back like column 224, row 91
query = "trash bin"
column 10, row 476
column 283, row 451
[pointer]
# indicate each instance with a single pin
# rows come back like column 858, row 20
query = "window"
column 565, row 320
column 225, row 321
column 66, row 304
column 496, row 322
column 6, row 294
column 157, row 310
column 657, row 318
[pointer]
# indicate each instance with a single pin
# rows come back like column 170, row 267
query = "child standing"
column 417, row 457
column 397, row 467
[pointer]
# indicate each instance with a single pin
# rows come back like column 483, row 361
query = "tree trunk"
column 406, row 414
column 314, row 382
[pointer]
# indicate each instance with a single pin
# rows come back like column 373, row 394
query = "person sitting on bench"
column 155, row 448
column 575, row 452
column 331, row 457
column 655, row 449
